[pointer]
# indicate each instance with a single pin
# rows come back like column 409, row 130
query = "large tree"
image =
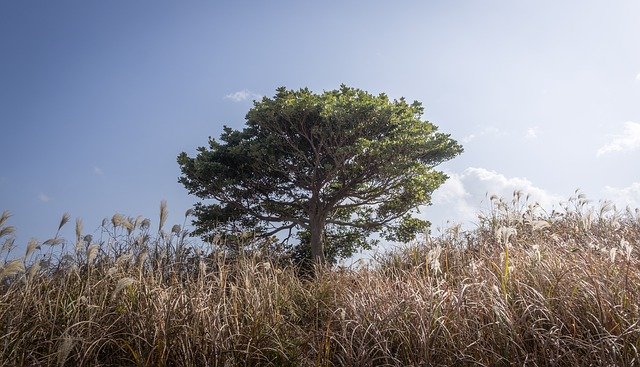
column 333, row 168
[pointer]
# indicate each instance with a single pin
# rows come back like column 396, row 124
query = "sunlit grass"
column 526, row 287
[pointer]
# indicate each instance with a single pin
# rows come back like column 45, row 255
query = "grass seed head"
column 32, row 245
column 13, row 267
column 92, row 253
column 65, row 218
column 122, row 284
column 164, row 213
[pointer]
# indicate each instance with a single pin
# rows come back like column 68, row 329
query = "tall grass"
column 526, row 287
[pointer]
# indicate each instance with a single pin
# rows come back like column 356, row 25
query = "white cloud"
column 242, row 95
column 638, row 77
column 98, row 171
column 468, row 138
column 490, row 131
column 44, row 198
column 490, row 182
column 532, row 132
column 464, row 195
column 453, row 196
column 628, row 140
column 626, row 196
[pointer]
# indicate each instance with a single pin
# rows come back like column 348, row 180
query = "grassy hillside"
column 526, row 287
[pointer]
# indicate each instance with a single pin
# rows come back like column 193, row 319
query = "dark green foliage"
column 335, row 167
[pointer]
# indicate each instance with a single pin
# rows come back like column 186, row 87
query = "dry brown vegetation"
column 525, row 287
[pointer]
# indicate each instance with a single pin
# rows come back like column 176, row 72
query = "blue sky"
column 98, row 98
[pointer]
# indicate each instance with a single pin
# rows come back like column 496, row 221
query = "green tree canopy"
column 332, row 168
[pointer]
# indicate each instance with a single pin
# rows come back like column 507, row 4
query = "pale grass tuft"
column 7, row 245
column 612, row 254
column 535, row 252
column 117, row 220
column 164, row 213
column 175, row 229
column 32, row 245
column 145, row 224
column 537, row 225
column 6, row 231
column 13, row 267
column 122, row 284
column 112, row 271
column 53, row 241
column 626, row 248
column 142, row 257
column 79, row 246
column 202, row 268
column 4, row 216
column 33, row 270
column 124, row 259
column 433, row 259
column 64, row 349
column 129, row 225
column 504, row 233
column 138, row 221
column 92, row 253
column 65, row 218
column 78, row 230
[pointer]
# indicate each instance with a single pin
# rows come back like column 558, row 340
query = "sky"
column 98, row 98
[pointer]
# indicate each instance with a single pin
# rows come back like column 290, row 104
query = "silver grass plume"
column 7, row 245
column 53, row 241
column 540, row 224
column 6, row 231
column 4, row 216
column 92, row 253
column 138, row 221
column 32, row 245
column 78, row 230
column 33, row 270
column 164, row 212
column 65, row 218
column 117, row 220
column 12, row 268
column 175, row 229
column 122, row 284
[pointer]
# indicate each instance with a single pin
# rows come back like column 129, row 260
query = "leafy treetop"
column 332, row 168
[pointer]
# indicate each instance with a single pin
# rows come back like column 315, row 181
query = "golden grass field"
column 525, row 287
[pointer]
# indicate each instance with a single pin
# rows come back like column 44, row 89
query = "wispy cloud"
column 629, row 139
column 242, row 95
column 638, row 77
column 44, row 198
column 532, row 132
column 468, row 138
column 98, row 171
column 490, row 131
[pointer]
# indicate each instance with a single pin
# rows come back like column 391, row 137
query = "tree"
column 332, row 168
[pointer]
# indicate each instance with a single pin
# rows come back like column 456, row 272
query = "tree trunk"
column 317, row 240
